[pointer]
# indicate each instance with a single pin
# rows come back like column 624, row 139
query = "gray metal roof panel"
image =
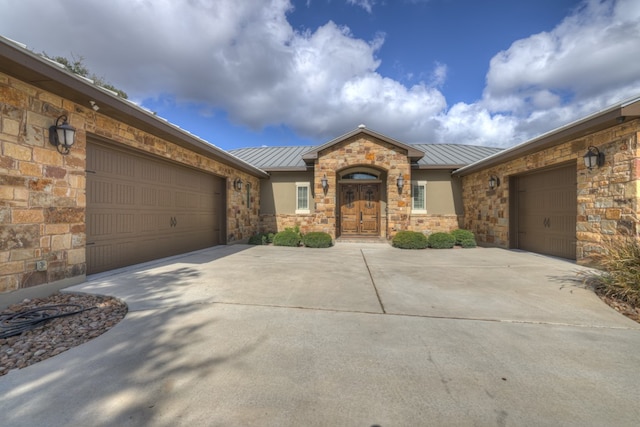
column 291, row 158
column 453, row 154
column 271, row 158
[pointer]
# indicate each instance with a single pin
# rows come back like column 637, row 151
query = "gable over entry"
column 353, row 185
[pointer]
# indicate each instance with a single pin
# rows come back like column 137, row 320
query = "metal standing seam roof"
column 437, row 156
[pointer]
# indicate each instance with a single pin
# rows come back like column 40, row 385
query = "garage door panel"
column 140, row 208
column 546, row 212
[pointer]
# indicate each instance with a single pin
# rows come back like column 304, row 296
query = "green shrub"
column 261, row 239
column 317, row 239
column 461, row 235
column 287, row 237
column 258, row 239
column 441, row 241
column 620, row 275
column 468, row 243
column 409, row 240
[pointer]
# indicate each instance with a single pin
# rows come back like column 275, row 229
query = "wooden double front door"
column 360, row 209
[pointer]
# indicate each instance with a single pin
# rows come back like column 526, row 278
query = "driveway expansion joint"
column 373, row 282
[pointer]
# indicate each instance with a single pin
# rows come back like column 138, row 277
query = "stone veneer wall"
column 270, row 223
column 428, row 224
column 608, row 197
column 42, row 193
column 361, row 151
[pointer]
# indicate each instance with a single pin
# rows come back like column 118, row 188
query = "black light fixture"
column 400, row 182
column 62, row 136
column 237, row 184
column 593, row 158
column 325, row 183
column 494, row 182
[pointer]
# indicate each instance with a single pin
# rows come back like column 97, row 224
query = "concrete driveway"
column 354, row 335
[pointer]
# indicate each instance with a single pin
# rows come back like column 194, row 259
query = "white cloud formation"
column 365, row 4
column 244, row 58
column 586, row 63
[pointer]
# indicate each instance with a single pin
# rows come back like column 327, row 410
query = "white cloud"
column 365, row 4
column 244, row 58
column 584, row 64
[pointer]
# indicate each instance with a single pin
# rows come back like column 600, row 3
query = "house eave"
column 44, row 74
column 599, row 121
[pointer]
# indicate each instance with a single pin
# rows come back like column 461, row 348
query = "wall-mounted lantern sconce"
column 62, row 136
column 593, row 158
column 325, row 183
column 494, row 182
column 400, row 183
column 237, row 184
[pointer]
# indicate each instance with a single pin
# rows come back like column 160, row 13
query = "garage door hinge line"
column 373, row 283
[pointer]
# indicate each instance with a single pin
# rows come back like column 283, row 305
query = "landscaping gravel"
column 54, row 336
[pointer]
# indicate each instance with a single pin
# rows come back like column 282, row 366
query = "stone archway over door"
column 360, row 209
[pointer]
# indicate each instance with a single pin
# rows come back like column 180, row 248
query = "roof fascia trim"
column 412, row 152
column 598, row 121
column 50, row 71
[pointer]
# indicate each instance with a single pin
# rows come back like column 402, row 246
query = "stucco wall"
column 278, row 193
column 42, row 193
column 607, row 197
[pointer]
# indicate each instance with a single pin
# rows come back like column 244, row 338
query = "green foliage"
column 620, row 275
column 409, row 240
column 468, row 243
column 461, row 235
column 261, row 239
column 317, row 239
column 258, row 239
column 441, row 241
column 77, row 66
column 288, row 237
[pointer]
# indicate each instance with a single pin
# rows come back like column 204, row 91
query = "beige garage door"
column 545, row 212
column 140, row 208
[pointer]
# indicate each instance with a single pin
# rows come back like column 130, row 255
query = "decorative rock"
column 60, row 334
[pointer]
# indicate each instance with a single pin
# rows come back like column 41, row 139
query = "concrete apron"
column 358, row 334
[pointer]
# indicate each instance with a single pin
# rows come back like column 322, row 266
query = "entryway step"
column 363, row 239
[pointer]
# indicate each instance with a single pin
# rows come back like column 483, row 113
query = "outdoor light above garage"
column 62, row 136
column 494, row 182
column 237, row 184
column 593, row 158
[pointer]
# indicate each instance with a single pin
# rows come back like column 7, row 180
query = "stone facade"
column 607, row 196
column 42, row 193
column 363, row 151
column 430, row 223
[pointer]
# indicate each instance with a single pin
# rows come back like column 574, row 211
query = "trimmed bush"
column 461, row 235
column 287, row 237
column 409, row 240
column 468, row 243
column 317, row 239
column 441, row 241
column 261, row 239
column 258, row 239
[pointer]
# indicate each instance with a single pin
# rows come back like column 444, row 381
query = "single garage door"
column 545, row 212
column 141, row 208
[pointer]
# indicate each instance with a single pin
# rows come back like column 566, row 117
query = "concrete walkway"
column 354, row 335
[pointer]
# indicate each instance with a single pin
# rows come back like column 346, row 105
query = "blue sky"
column 242, row 73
